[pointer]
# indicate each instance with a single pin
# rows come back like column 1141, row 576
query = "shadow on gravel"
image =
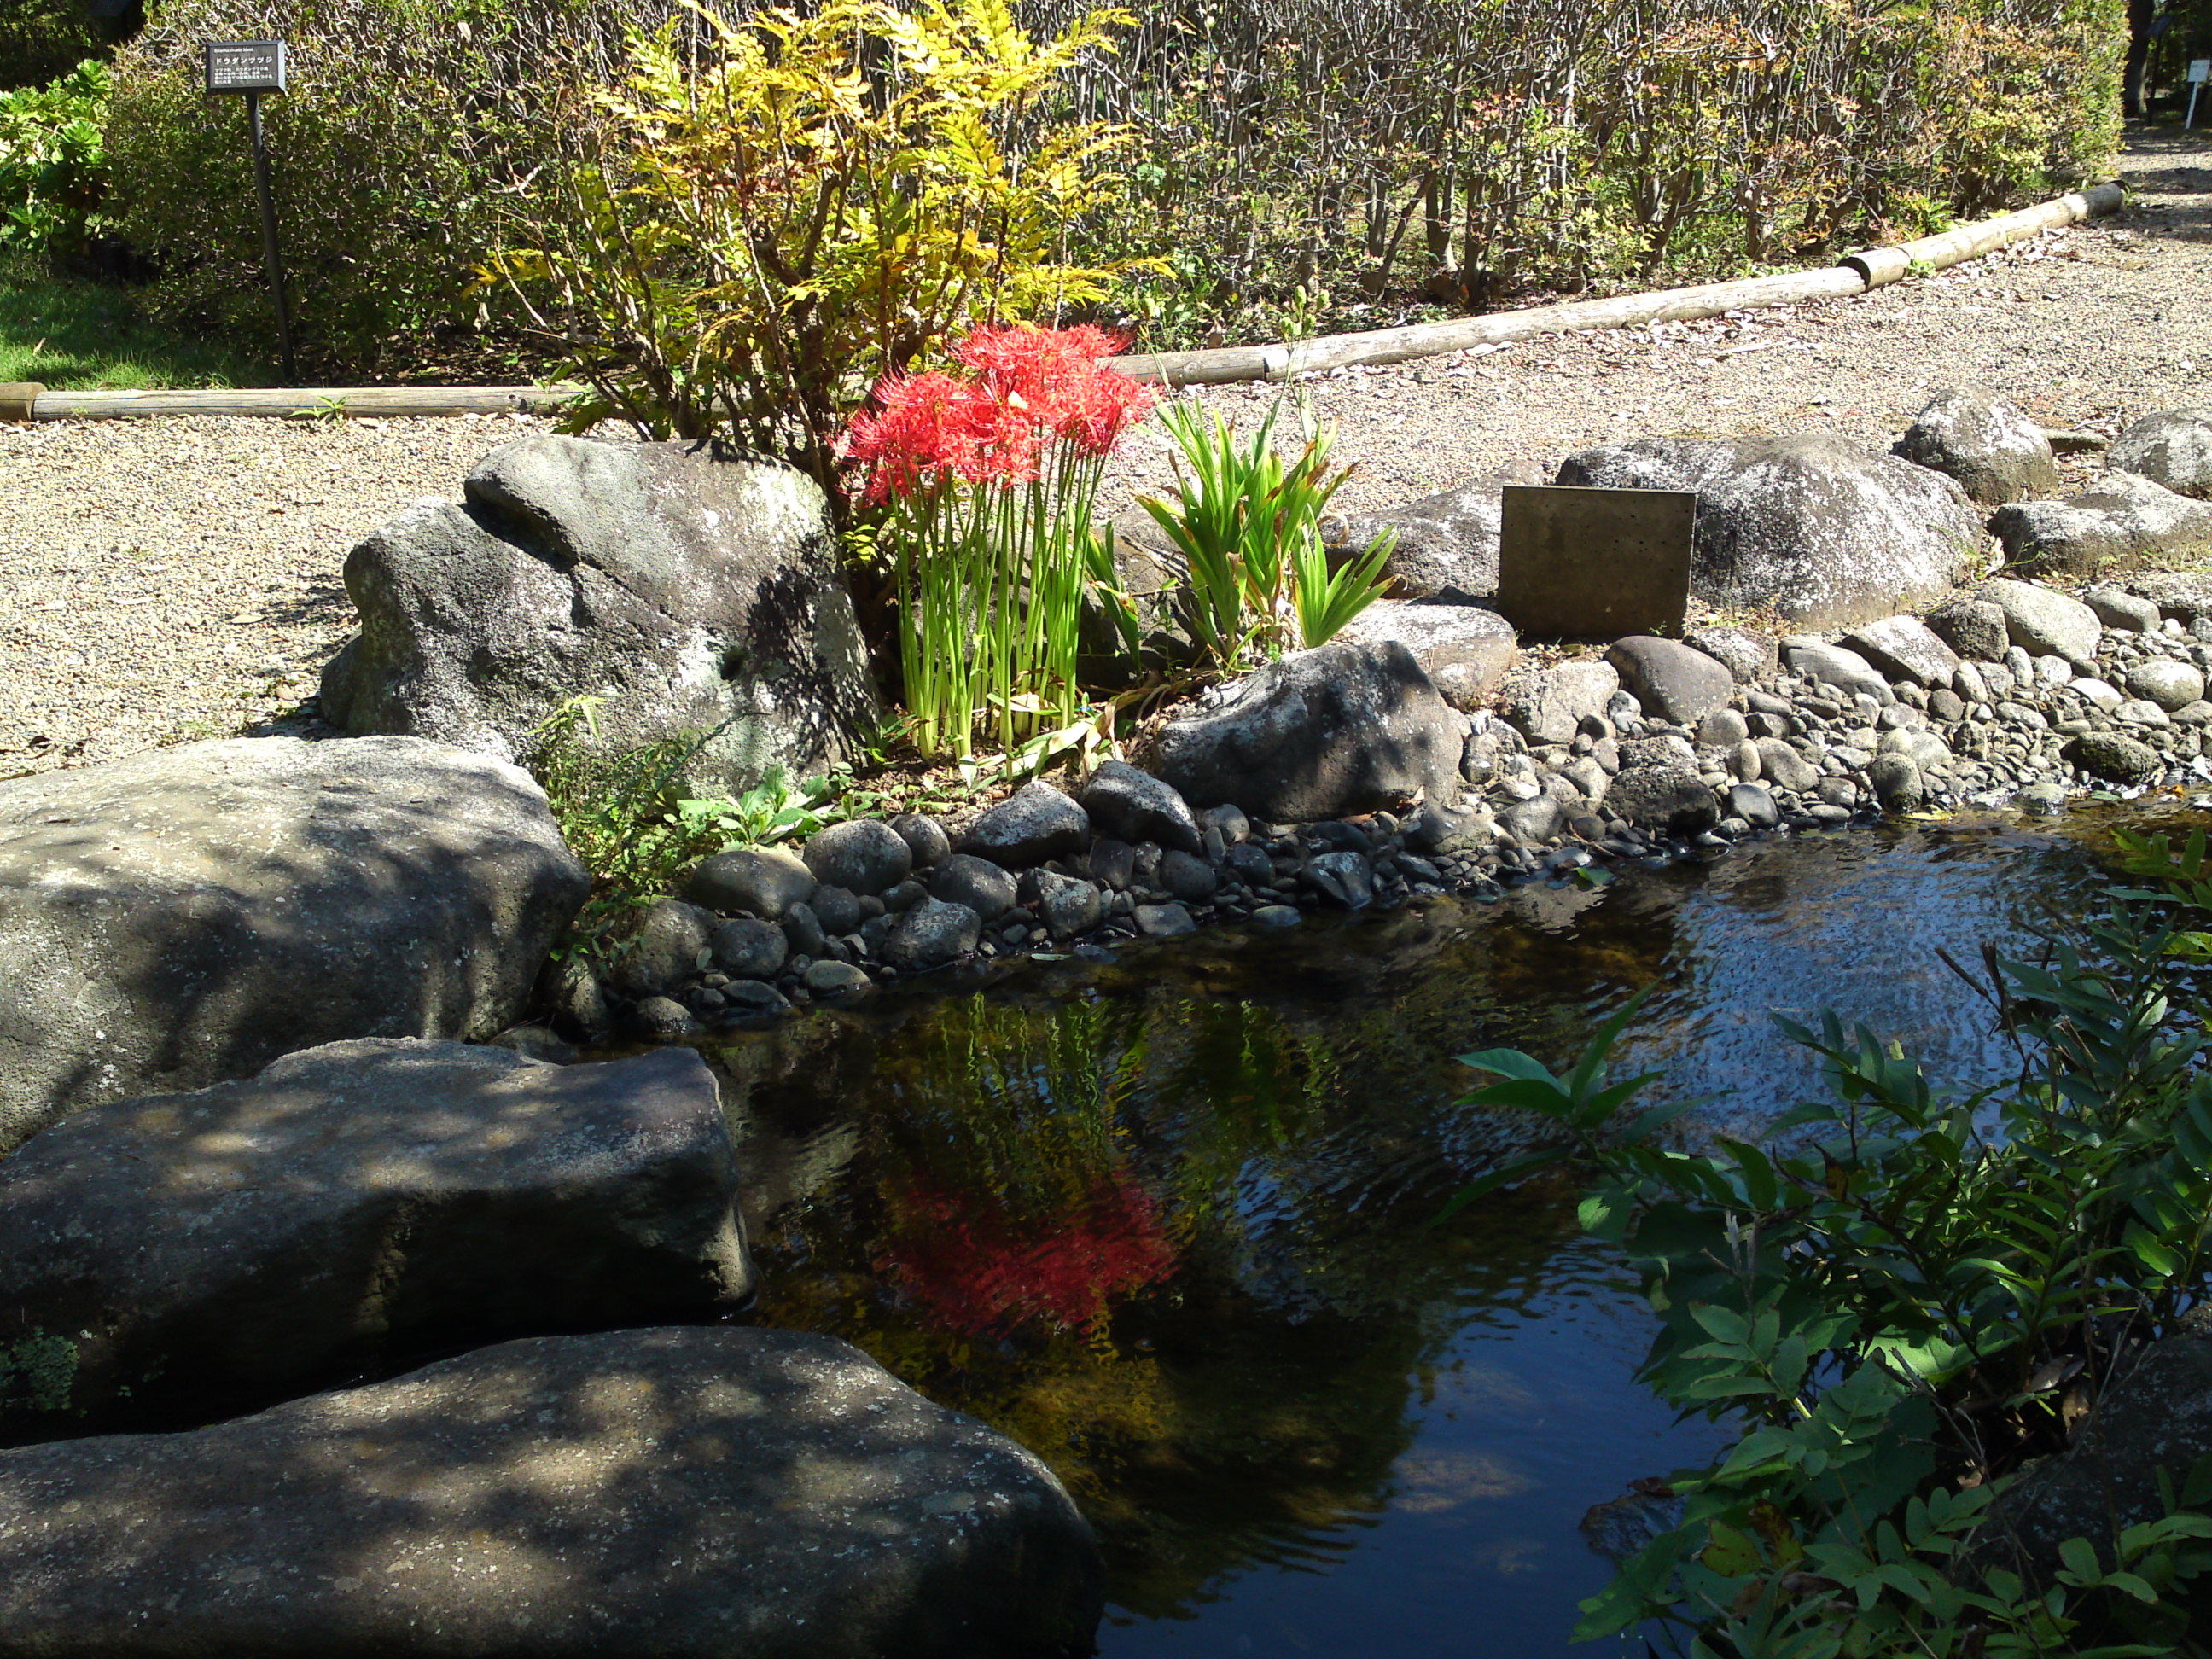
column 2170, row 180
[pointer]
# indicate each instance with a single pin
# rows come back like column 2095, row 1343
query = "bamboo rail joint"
column 1857, row 273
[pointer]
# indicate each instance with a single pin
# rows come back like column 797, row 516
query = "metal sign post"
column 254, row 67
column 2200, row 72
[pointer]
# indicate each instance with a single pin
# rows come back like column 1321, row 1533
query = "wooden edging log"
column 1856, row 274
column 288, row 402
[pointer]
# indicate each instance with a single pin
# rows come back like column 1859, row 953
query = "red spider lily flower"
column 1057, row 377
column 983, row 1272
column 925, row 428
column 1030, row 386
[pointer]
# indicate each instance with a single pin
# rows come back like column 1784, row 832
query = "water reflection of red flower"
column 983, row 1272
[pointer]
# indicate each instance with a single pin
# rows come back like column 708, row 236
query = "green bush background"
column 1303, row 165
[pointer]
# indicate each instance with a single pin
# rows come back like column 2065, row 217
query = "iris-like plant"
column 1247, row 525
column 990, row 476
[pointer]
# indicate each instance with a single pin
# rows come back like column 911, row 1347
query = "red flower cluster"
column 1030, row 387
column 983, row 1272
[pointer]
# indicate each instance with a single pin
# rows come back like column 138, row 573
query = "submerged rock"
column 677, row 1493
column 219, row 1250
column 186, row 916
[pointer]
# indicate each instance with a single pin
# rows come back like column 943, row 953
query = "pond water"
column 1169, row 1220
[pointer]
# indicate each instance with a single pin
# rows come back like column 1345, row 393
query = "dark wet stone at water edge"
column 221, row 1248
column 711, row 1493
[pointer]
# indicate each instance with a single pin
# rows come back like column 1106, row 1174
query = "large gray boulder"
column 1447, row 545
column 694, row 588
column 2172, row 447
column 2042, row 623
column 1824, row 532
column 184, row 917
column 1673, row 681
column 222, row 1249
column 1989, row 444
column 1464, row 649
column 1321, row 733
column 681, row 1494
column 2121, row 520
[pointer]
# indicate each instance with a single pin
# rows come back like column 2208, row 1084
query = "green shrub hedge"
column 404, row 121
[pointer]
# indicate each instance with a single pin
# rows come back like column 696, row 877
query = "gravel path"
column 163, row 580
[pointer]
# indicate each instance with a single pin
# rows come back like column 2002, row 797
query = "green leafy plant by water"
column 1247, row 525
column 634, row 818
column 1906, row 1295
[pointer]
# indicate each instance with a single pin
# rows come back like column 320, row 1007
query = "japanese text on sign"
column 246, row 66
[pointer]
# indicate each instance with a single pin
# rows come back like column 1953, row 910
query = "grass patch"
column 76, row 336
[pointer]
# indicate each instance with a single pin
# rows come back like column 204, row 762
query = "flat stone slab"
column 185, row 915
column 681, row 1493
column 208, row 1253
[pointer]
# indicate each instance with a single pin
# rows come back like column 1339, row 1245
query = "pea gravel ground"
column 164, row 580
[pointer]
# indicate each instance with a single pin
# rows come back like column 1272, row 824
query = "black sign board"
column 246, row 66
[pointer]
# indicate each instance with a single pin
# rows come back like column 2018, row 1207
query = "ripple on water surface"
column 1167, row 1220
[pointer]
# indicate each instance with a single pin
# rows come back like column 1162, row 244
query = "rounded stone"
column 746, row 949
column 865, row 854
column 982, row 885
column 1187, row 877
column 662, row 1020
column 1897, row 783
column 930, row 934
column 665, row 951
column 765, row 880
column 1672, row 799
column 925, row 838
column 802, row 933
column 1068, row 906
column 2168, row 683
column 1036, row 823
column 839, row 910
column 836, row 981
column 1783, row 766
column 2114, row 758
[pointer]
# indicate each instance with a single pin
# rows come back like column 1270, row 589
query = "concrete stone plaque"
column 246, row 66
column 1595, row 564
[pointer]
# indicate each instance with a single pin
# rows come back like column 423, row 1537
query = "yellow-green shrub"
column 758, row 226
